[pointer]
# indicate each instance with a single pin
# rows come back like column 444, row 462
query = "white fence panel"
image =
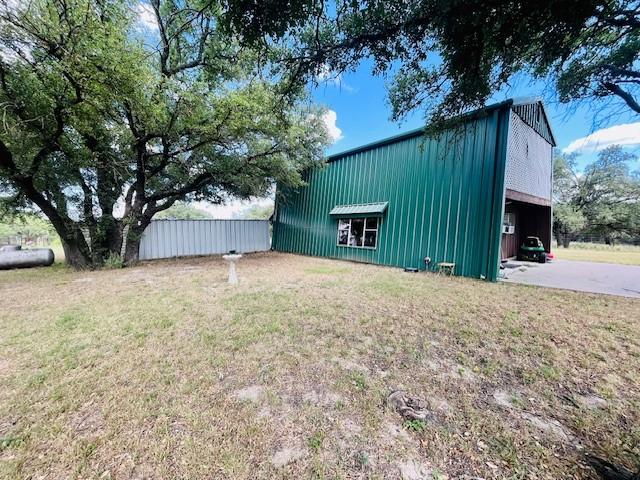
column 183, row 238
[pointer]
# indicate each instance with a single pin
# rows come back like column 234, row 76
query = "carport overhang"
column 526, row 198
column 532, row 218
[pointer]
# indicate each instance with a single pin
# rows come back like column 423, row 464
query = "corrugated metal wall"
column 445, row 200
column 533, row 114
column 182, row 238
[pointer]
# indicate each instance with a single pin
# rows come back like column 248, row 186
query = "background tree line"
column 603, row 200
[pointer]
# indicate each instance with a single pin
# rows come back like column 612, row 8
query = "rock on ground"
column 408, row 406
column 591, row 401
column 549, row 426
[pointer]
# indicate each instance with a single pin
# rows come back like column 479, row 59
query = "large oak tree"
column 451, row 55
column 106, row 121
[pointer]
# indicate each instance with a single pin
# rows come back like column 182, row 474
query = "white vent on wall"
column 508, row 229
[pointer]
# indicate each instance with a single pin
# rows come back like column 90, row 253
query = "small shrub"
column 68, row 320
column 9, row 442
column 462, row 359
column 516, row 401
column 113, row 262
column 315, row 441
column 359, row 381
column 549, row 372
column 362, row 460
column 417, row 426
column 438, row 475
column 37, row 379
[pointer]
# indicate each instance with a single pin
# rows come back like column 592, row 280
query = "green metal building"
column 468, row 196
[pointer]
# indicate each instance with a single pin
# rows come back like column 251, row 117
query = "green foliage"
column 97, row 114
column 257, row 212
column 362, row 459
column 9, row 442
column 315, row 441
column 603, row 200
column 450, row 56
column 417, row 426
column 29, row 225
column 609, row 194
column 568, row 220
column 114, row 261
column 358, row 380
column 184, row 211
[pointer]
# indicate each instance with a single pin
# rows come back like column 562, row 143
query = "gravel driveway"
column 612, row 279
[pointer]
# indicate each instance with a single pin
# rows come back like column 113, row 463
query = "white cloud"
column 146, row 16
column 329, row 118
column 325, row 75
column 626, row 134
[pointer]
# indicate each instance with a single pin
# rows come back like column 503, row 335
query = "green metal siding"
column 446, row 197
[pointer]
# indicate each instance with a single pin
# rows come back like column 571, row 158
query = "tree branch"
column 204, row 178
column 626, row 96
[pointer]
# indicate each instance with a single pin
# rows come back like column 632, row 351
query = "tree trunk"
column 132, row 241
column 566, row 240
column 102, row 246
column 115, row 238
column 108, row 242
column 77, row 252
column 131, row 251
column 74, row 256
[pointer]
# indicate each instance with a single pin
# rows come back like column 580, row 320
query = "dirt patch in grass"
column 288, row 454
column 165, row 371
column 252, row 393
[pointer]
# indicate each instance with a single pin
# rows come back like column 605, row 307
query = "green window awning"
column 361, row 209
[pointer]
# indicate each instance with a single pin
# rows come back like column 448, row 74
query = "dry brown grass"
column 164, row 371
column 622, row 257
column 597, row 252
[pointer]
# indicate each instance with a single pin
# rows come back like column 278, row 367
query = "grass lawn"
column 625, row 255
column 165, row 371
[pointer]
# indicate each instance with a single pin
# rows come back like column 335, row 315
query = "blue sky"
column 359, row 100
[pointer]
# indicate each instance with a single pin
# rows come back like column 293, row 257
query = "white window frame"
column 364, row 232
